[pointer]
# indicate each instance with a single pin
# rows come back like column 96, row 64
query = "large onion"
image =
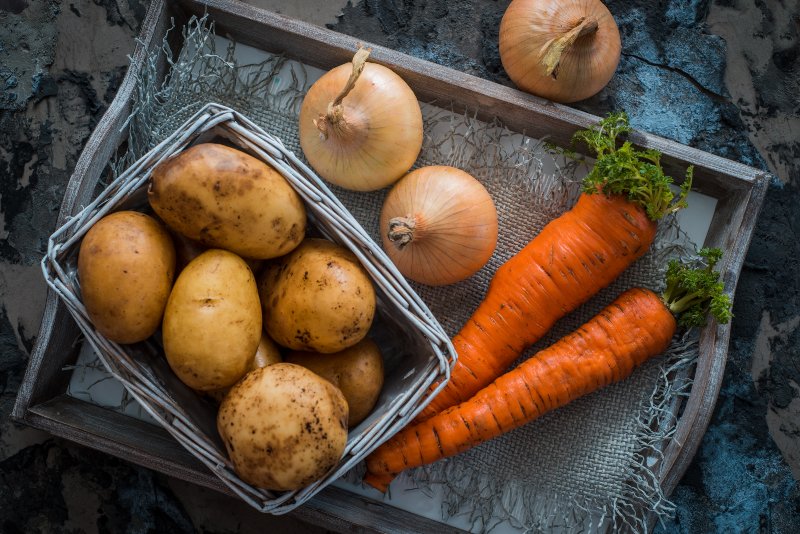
column 361, row 125
column 564, row 50
column 439, row 225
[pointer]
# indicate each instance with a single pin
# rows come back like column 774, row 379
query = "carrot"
column 573, row 257
column 638, row 325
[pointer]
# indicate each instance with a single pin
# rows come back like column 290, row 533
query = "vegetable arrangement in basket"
column 195, row 270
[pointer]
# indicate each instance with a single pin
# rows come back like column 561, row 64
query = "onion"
column 361, row 125
column 564, row 50
column 439, row 225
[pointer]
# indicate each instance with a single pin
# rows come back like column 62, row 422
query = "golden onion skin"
column 379, row 137
column 439, row 225
column 585, row 67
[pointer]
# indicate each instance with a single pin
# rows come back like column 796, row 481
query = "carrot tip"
column 379, row 481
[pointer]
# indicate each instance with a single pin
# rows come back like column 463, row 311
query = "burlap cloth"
column 590, row 464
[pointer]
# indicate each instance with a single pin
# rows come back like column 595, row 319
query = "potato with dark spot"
column 283, row 426
column 225, row 198
column 126, row 267
column 357, row 371
column 212, row 322
column 317, row 298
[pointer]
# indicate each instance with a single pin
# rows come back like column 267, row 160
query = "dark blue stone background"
column 722, row 76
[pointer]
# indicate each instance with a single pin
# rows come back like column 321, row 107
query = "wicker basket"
column 415, row 347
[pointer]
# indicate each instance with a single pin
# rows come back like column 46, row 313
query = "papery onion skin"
column 453, row 230
column 382, row 134
column 586, row 66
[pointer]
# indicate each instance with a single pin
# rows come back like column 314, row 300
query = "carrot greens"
column 694, row 290
column 626, row 170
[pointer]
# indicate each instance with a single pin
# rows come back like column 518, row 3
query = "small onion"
column 562, row 50
column 361, row 125
column 439, row 225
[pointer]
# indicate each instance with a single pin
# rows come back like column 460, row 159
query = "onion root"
column 401, row 231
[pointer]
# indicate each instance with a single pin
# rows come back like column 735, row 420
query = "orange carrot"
column 604, row 350
column 572, row 258
column 638, row 325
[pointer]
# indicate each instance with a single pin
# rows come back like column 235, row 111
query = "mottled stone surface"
column 723, row 76
column 53, row 487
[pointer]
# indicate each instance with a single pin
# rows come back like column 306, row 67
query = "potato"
column 212, row 322
column 317, row 298
column 225, row 198
column 266, row 354
column 357, row 371
column 126, row 267
column 187, row 249
column 283, row 427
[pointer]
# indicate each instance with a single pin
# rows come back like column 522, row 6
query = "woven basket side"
column 142, row 369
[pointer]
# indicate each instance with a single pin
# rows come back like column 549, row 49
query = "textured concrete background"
column 723, row 76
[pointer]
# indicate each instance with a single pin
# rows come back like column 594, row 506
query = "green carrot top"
column 626, row 170
column 694, row 290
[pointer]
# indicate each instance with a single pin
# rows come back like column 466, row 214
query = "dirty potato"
column 126, row 267
column 212, row 322
column 357, row 371
column 317, row 298
column 283, row 427
column 225, row 198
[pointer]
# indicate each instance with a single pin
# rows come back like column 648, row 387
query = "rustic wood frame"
column 42, row 401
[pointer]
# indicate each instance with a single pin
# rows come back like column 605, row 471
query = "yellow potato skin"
column 225, row 198
column 186, row 250
column 212, row 322
column 126, row 267
column 266, row 354
column 357, row 371
column 317, row 298
column 283, row 427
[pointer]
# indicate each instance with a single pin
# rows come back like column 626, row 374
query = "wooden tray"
column 42, row 401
